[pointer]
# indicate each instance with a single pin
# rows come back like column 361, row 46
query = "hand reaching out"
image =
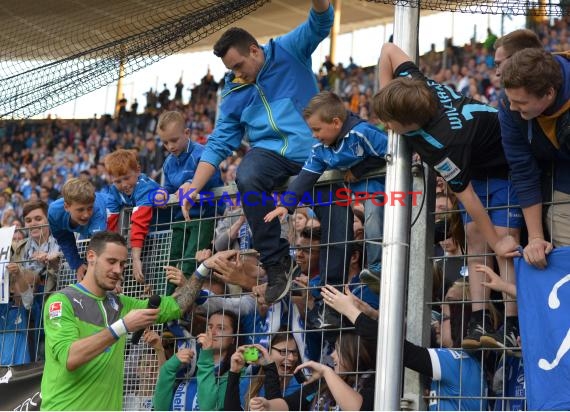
column 346, row 303
column 362, row 305
column 185, row 355
column 318, row 370
column 279, row 211
column 174, row 275
column 334, row 298
column 203, row 254
column 188, row 199
column 137, row 271
column 259, row 404
column 153, row 339
column 205, row 339
column 237, row 362
column 495, row 282
column 230, row 268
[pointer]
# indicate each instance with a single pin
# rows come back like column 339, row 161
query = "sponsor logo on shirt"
column 79, row 302
column 447, row 169
column 458, row 354
column 55, row 310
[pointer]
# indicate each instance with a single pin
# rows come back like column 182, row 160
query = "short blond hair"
column 170, row 117
column 77, row 190
column 327, row 105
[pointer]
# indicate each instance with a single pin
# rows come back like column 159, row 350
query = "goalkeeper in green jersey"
column 86, row 325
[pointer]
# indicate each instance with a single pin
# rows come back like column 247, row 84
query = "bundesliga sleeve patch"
column 55, row 310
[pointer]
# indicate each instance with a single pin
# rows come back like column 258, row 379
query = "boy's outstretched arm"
column 140, row 223
column 280, row 211
column 203, row 174
column 495, row 282
column 391, row 57
column 321, row 6
column 67, row 244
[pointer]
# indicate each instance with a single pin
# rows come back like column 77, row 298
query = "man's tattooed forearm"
column 186, row 295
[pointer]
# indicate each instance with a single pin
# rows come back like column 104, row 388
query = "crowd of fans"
column 39, row 156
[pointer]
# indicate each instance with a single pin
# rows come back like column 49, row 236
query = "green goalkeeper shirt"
column 73, row 314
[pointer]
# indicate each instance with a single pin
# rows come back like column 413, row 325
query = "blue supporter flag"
column 544, row 308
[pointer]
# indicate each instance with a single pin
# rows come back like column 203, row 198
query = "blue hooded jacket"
column 270, row 111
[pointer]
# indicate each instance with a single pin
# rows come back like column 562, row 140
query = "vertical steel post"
column 396, row 247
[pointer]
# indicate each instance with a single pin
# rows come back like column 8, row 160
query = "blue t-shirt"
column 512, row 376
column 457, row 381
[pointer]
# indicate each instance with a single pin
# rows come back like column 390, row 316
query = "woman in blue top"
column 347, row 386
column 275, row 377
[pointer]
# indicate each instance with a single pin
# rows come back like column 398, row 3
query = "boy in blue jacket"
column 82, row 211
column 131, row 188
column 178, row 170
column 345, row 141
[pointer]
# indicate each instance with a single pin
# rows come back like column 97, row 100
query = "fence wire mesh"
column 50, row 58
column 510, row 7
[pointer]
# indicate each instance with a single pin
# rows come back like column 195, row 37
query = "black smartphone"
column 300, row 376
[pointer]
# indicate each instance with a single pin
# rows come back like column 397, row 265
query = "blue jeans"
column 373, row 228
column 262, row 171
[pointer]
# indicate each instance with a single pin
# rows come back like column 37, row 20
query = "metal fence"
column 424, row 302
